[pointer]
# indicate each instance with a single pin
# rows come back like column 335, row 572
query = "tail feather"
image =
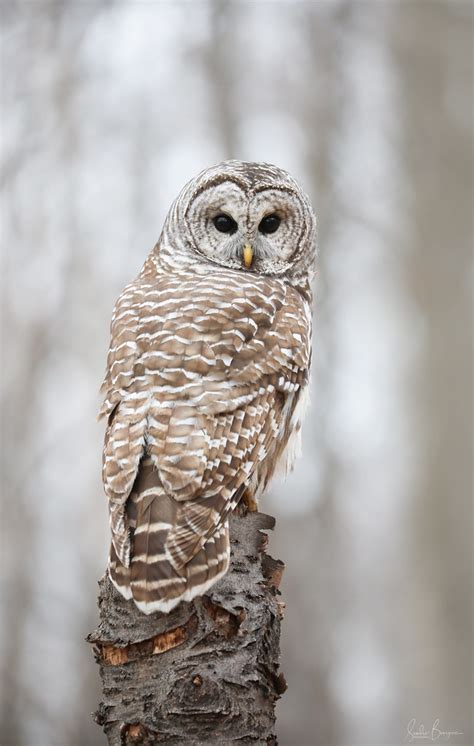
column 209, row 564
column 119, row 574
column 155, row 585
column 157, row 579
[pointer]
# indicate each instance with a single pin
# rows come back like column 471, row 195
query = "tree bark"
column 207, row 672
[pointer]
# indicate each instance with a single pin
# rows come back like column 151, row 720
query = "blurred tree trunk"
column 323, row 599
column 220, row 73
column 430, row 45
column 207, row 672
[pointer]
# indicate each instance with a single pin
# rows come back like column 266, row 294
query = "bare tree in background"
column 428, row 44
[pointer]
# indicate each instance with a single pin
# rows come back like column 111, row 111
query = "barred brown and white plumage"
column 206, row 377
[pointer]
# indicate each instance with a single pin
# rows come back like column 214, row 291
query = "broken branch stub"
column 207, row 672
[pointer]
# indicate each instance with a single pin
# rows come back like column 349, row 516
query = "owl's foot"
column 249, row 502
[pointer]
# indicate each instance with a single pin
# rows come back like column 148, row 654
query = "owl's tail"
column 173, row 557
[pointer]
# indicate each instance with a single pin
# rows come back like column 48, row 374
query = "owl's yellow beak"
column 248, row 255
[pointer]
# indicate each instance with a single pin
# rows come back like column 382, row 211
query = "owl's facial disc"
column 244, row 230
column 216, row 219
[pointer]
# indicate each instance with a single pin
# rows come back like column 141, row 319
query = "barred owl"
column 207, row 377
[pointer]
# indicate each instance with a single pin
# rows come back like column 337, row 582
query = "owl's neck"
column 165, row 259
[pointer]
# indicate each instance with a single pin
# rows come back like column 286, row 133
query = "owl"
column 207, row 377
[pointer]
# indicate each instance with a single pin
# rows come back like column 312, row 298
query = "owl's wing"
column 207, row 387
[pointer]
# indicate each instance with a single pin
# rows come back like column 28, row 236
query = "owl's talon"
column 249, row 502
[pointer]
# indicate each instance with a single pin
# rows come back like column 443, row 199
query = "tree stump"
column 207, row 672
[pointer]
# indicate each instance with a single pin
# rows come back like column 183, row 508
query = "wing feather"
column 207, row 390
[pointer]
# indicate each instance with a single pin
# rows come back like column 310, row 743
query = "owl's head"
column 251, row 217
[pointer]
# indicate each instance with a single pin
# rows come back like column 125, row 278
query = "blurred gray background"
column 107, row 110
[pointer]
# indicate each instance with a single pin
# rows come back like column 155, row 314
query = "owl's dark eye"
column 225, row 224
column 269, row 224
